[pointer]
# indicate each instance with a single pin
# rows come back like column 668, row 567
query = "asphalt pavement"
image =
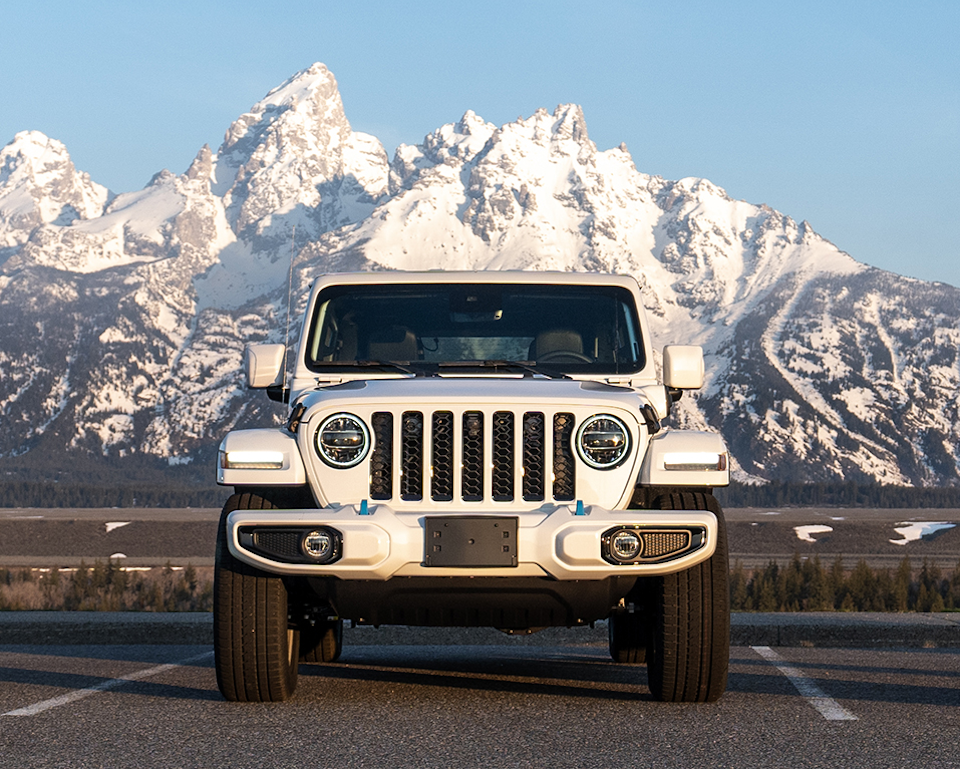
column 448, row 706
column 807, row 629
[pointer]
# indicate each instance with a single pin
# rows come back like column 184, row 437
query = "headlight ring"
column 603, row 441
column 342, row 440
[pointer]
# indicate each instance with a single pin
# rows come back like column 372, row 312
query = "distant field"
column 782, row 559
column 154, row 536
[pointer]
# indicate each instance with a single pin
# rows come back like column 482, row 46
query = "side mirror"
column 263, row 364
column 683, row 366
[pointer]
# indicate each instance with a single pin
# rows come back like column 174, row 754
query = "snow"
column 913, row 531
column 198, row 250
column 113, row 525
column 298, row 89
column 39, row 184
column 806, row 533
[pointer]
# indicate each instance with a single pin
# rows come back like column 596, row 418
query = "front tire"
column 255, row 648
column 690, row 649
column 629, row 638
column 323, row 642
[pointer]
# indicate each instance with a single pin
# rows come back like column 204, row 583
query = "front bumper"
column 559, row 541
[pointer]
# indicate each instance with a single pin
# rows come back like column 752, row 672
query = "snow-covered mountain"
column 123, row 318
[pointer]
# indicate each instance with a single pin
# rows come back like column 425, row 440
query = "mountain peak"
column 39, row 184
column 316, row 83
column 32, row 144
column 570, row 122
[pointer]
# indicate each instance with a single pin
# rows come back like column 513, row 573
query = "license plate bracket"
column 476, row 541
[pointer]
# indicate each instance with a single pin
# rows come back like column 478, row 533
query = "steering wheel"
column 564, row 356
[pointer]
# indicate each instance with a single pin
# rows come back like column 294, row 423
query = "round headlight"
column 343, row 440
column 603, row 441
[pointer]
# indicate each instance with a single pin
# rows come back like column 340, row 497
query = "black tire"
column 690, row 649
column 255, row 648
column 323, row 642
column 629, row 637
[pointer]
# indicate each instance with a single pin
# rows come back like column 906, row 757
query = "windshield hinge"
column 650, row 418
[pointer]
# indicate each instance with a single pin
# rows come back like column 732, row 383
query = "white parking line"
column 828, row 707
column 79, row 694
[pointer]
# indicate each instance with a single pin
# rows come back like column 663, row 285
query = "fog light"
column 626, row 545
column 317, row 545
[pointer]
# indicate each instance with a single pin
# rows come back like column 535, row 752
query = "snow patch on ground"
column 913, row 531
column 805, row 533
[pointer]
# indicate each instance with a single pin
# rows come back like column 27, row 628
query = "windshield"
column 440, row 328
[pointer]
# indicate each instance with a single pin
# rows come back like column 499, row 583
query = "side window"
column 628, row 345
column 323, row 344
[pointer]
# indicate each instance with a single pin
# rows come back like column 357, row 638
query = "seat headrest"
column 556, row 340
column 393, row 343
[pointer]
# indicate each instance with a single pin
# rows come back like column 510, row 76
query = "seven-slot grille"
column 511, row 456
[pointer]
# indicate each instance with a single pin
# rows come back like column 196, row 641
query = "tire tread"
column 691, row 644
column 255, row 652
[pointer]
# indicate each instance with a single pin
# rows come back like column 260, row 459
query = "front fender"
column 685, row 458
column 265, row 457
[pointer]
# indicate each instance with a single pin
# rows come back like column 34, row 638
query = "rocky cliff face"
column 123, row 318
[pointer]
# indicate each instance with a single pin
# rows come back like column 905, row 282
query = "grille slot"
column 534, row 456
column 472, row 474
column 564, row 467
column 502, row 480
column 411, row 459
column 441, row 480
column 381, row 458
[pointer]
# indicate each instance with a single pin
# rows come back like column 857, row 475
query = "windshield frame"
column 565, row 303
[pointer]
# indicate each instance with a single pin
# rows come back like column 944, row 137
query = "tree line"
column 801, row 585
column 106, row 587
column 51, row 494
column 843, row 494
column 806, row 585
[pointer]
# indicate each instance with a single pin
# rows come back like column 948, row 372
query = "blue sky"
column 846, row 114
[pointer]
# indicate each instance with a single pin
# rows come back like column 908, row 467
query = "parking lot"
column 471, row 705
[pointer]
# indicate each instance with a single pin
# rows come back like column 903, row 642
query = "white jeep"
column 474, row 449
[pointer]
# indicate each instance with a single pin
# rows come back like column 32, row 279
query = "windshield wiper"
column 387, row 364
column 510, row 365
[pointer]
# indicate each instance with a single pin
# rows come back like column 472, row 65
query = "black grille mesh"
column 660, row 543
column 411, row 467
column 282, row 544
column 472, row 474
column 502, row 478
column 564, row 468
column 441, row 481
column 534, row 456
column 381, row 458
